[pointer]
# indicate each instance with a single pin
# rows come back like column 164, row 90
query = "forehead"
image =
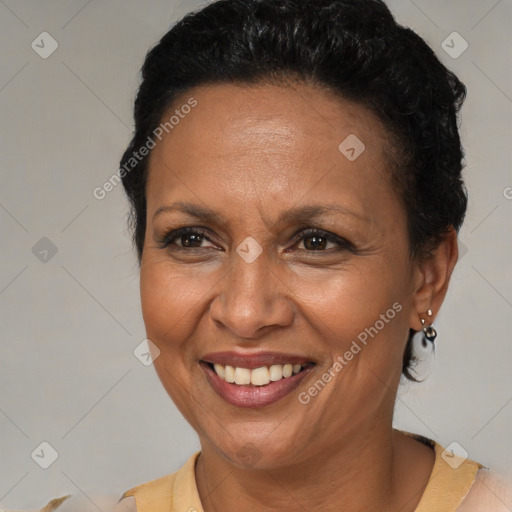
column 287, row 115
column 257, row 142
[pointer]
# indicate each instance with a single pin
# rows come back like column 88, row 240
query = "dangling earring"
column 429, row 333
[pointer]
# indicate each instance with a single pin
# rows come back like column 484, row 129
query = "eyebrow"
column 296, row 214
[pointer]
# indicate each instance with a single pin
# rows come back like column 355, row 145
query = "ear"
column 431, row 279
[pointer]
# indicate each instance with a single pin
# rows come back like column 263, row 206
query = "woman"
column 296, row 191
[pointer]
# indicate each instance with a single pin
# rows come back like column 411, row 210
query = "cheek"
column 350, row 301
column 168, row 300
column 360, row 314
column 362, row 320
column 170, row 303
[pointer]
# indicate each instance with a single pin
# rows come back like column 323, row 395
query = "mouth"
column 255, row 380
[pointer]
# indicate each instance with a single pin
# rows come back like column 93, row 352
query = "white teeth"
column 276, row 372
column 229, row 374
column 220, row 370
column 242, row 376
column 287, row 370
column 258, row 376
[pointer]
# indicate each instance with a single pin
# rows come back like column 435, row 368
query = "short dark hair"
column 355, row 49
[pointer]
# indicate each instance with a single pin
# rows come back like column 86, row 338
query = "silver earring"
column 429, row 333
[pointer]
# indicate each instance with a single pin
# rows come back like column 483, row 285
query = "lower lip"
column 253, row 396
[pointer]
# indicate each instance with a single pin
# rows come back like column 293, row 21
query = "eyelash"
column 342, row 243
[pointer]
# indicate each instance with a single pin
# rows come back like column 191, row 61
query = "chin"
column 254, row 449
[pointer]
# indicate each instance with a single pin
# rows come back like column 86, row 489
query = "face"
column 296, row 261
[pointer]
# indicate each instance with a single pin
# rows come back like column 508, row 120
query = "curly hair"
column 356, row 50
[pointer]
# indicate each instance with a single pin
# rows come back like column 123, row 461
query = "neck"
column 362, row 474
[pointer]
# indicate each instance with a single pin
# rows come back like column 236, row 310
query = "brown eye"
column 191, row 240
column 317, row 240
column 187, row 238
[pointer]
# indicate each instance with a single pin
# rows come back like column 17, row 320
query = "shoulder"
column 490, row 492
column 160, row 485
column 161, row 494
column 155, row 493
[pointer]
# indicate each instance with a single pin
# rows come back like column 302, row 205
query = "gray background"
column 70, row 322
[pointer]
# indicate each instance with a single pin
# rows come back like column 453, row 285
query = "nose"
column 252, row 299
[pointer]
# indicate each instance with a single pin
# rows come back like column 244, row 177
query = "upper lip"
column 253, row 360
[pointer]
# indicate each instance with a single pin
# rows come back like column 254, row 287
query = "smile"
column 259, row 376
column 254, row 380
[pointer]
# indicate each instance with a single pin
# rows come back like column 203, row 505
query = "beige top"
column 449, row 483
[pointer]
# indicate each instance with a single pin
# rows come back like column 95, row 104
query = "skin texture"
column 251, row 153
